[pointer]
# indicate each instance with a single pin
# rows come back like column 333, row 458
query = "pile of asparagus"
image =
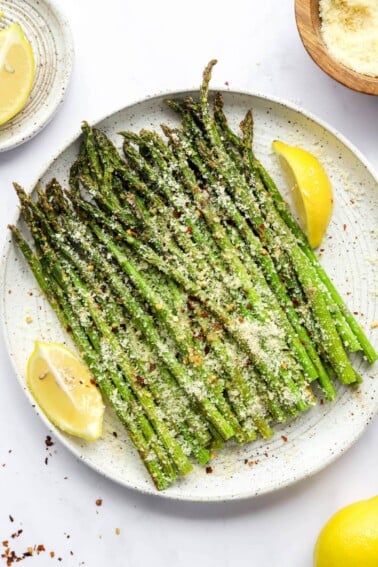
column 188, row 288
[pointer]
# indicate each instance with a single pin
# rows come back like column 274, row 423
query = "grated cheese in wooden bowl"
column 350, row 31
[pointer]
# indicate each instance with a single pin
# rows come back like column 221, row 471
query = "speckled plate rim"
column 298, row 476
column 70, row 53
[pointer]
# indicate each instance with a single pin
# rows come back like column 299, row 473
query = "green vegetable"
column 163, row 266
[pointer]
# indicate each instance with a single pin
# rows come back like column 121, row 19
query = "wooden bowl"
column 308, row 23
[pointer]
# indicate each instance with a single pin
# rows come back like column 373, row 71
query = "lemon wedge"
column 17, row 71
column 350, row 537
column 311, row 190
column 65, row 390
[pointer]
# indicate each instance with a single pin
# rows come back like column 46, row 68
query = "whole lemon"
column 350, row 537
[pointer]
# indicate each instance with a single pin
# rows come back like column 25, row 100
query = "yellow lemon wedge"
column 310, row 188
column 17, row 71
column 350, row 537
column 65, row 390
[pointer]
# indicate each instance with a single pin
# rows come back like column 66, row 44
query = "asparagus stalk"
column 305, row 272
column 162, row 477
column 78, row 293
column 353, row 336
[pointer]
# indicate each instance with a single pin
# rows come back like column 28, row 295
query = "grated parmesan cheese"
column 350, row 32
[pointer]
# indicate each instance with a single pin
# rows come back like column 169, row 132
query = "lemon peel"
column 17, row 71
column 65, row 390
column 310, row 188
column 350, row 537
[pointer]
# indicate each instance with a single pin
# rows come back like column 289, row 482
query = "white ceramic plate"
column 309, row 443
column 49, row 34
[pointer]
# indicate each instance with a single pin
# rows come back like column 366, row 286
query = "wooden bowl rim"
column 309, row 29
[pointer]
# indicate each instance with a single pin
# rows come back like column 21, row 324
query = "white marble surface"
column 125, row 51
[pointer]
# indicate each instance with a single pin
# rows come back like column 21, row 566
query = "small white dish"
column 48, row 32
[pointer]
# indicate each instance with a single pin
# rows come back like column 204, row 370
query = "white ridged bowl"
column 300, row 448
column 48, row 32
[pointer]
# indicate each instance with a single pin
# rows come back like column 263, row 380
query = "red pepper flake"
column 355, row 312
column 40, row 548
column 177, row 214
column 140, row 380
column 189, row 230
column 249, row 306
column 12, row 558
column 344, row 227
column 203, row 315
column 217, row 327
column 321, row 401
column 52, row 554
column 99, row 502
column 152, row 367
column 5, row 543
column 284, row 438
column 209, row 470
column 68, row 328
column 17, row 534
column 48, row 441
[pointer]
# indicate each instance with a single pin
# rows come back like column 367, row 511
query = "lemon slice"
column 65, row 390
column 350, row 537
column 311, row 190
column 17, row 71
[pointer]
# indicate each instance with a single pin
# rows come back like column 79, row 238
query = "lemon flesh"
column 17, row 71
column 311, row 190
column 350, row 537
column 65, row 390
